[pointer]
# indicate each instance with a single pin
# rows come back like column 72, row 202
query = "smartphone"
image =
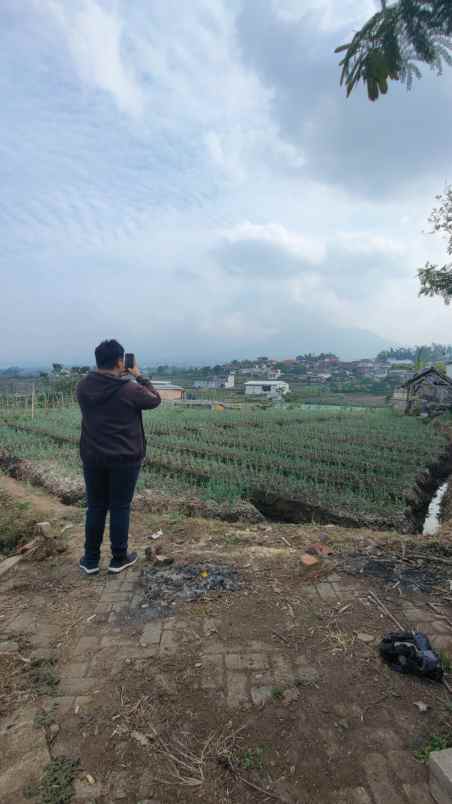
column 129, row 361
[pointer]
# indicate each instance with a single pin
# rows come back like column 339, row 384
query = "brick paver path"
column 244, row 675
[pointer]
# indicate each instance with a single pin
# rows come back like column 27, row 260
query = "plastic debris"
column 411, row 652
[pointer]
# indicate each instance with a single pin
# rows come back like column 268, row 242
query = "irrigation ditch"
column 260, row 502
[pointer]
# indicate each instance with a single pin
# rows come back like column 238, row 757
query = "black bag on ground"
column 411, row 652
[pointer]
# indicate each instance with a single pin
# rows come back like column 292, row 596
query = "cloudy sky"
column 189, row 178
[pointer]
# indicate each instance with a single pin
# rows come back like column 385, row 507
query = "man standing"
column 112, row 449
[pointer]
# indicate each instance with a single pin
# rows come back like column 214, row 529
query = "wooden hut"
column 429, row 392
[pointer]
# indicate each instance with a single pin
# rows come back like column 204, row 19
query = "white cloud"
column 291, row 245
column 147, row 159
column 329, row 13
column 95, row 38
column 370, row 244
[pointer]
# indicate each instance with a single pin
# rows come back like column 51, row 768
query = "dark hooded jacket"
column 112, row 424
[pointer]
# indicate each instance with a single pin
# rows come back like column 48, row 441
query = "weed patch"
column 57, row 783
column 43, row 719
column 232, row 540
column 436, row 742
column 43, row 676
column 16, row 523
column 253, row 759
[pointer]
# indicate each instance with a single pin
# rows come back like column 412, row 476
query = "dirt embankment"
column 71, row 491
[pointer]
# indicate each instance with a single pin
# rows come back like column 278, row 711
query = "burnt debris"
column 165, row 586
column 407, row 574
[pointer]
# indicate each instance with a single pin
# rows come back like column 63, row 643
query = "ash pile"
column 165, row 586
column 408, row 575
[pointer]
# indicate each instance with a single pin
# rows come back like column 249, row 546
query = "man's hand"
column 135, row 371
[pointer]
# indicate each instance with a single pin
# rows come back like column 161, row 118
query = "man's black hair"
column 108, row 353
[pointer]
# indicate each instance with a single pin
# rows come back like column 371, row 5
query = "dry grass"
column 190, row 767
column 340, row 640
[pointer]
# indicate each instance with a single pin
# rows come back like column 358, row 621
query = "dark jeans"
column 108, row 488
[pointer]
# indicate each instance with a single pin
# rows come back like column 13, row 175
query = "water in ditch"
column 433, row 519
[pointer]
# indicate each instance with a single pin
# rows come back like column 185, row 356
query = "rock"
column 290, row 696
column 54, row 730
column 154, row 555
column 163, row 561
column 44, row 529
column 307, row 676
column 308, row 560
column 46, row 543
column 140, row 738
column 423, row 707
column 366, row 638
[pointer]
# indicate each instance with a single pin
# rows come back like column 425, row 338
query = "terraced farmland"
column 294, row 464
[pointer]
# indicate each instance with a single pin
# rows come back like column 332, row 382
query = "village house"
column 214, row 383
column 266, row 388
column 428, row 392
column 168, row 391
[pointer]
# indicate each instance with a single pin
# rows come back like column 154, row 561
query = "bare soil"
column 266, row 693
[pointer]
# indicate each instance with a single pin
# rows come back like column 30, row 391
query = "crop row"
column 360, row 461
column 355, row 498
column 355, row 478
column 308, row 465
column 388, row 461
column 354, row 436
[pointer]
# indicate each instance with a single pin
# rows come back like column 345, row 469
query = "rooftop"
column 166, row 386
column 425, row 372
column 265, row 382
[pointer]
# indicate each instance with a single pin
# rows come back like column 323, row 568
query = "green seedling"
column 253, row 759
